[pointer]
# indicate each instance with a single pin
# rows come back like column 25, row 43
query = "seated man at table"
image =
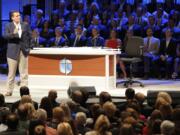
column 78, row 39
column 58, row 40
column 151, row 49
column 37, row 41
column 95, row 40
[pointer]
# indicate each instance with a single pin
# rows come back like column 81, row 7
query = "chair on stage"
column 133, row 54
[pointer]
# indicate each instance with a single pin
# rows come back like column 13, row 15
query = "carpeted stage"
column 37, row 94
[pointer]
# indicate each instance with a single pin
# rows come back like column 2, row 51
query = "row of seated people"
column 121, row 23
column 157, row 53
column 75, row 116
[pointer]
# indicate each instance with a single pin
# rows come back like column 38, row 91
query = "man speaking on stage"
column 18, row 35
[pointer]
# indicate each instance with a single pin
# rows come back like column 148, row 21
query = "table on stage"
column 56, row 68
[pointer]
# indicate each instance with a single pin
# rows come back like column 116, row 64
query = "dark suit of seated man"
column 95, row 40
column 78, row 39
column 58, row 40
column 37, row 41
column 167, row 53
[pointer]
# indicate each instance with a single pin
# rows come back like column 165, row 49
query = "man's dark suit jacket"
column 61, row 43
column 82, row 41
column 15, row 44
column 16, row 104
column 98, row 43
column 170, row 50
column 41, row 42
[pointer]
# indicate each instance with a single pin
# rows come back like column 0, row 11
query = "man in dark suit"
column 78, row 39
column 58, row 40
column 18, row 35
column 37, row 40
column 167, row 53
column 95, row 40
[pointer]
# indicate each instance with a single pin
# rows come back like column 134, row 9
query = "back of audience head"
column 39, row 130
column 77, row 96
column 24, row 91
column 140, row 97
column 96, row 111
column 167, row 127
column 102, row 124
column 80, row 118
column 58, row 114
column 104, row 97
column 26, row 99
column 160, row 101
column 22, row 112
column 130, row 93
column 52, row 95
column 110, row 109
column 67, row 111
column 41, row 114
column 166, row 111
column 64, row 128
column 12, row 121
column 46, row 105
column 155, row 129
column 127, row 129
column 165, row 96
column 32, row 125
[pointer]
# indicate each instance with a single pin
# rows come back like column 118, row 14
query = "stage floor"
column 37, row 94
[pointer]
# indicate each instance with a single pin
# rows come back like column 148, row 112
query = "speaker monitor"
column 152, row 95
column 89, row 89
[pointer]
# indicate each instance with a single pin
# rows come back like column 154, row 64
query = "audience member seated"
column 67, row 111
column 140, row 20
column 116, row 43
column 145, row 108
column 102, row 125
column 95, row 40
column 151, row 49
column 58, row 40
column 161, row 17
column 96, row 23
column 152, row 23
column 37, row 40
column 39, row 19
column 52, row 95
column 176, row 62
column 12, row 123
column 77, row 39
column 80, row 121
column 64, row 128
column 22, row 113
column 23, row 91
column 77, row 97
column 137, row 30
column 42, row 115
column 167, row 54
column 57, row 117
column 167, row 127
column 46, row 32
column 47, row 106
column 104, row 97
